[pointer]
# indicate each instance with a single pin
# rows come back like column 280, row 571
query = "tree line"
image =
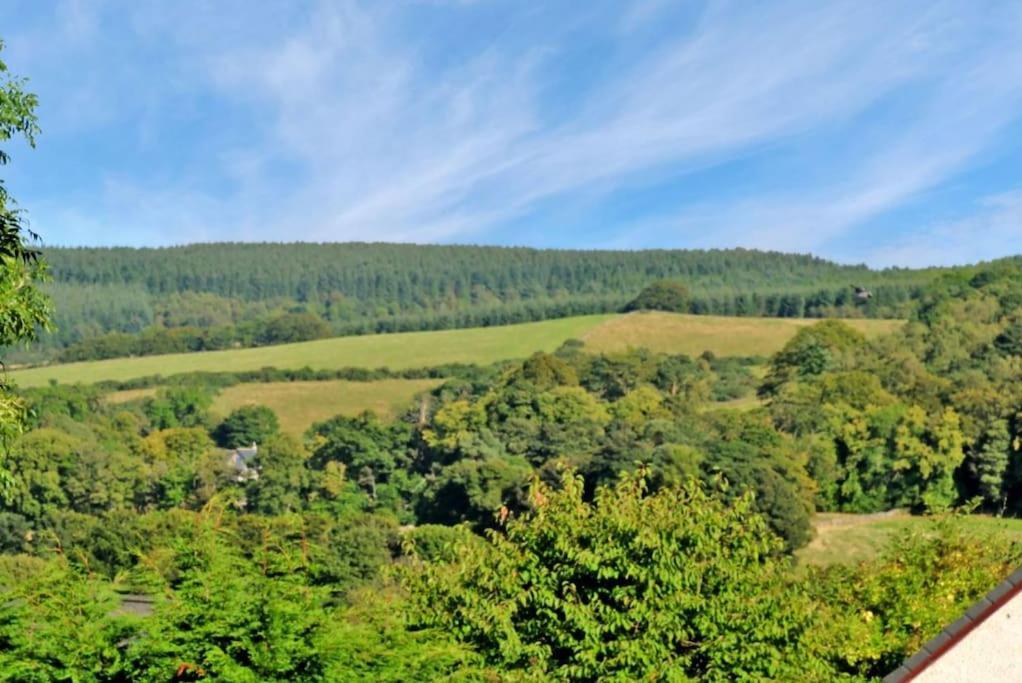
column 119, row 301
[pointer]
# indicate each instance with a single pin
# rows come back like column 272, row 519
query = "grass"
column 724, row 336
column 481, row 345
column 666, row 332
column 849, row 538
column 300, row 404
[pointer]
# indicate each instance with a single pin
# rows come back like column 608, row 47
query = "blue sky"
column 881, row 132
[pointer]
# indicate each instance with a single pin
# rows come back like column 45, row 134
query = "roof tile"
column 898, row 675
column 1016, row 577
column 979, row 608
column 1002, row 589
column 937, row 642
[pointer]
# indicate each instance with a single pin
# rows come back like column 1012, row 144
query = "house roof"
column 938, row 646
column 246, row 453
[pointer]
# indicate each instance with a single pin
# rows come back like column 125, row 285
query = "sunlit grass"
column 724, row 336
column 300, row 404
column 850, row 538
column 666, row 332
column 483, row 345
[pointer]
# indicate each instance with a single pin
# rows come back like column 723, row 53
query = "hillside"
column 358, row 288
column 667, row 332
column 723, row 335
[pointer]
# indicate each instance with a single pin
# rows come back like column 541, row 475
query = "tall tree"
column 670, row 586
column 23, row 308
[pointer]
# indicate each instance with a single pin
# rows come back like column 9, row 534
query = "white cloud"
column 993, row 231
column 397, row 151
column 386, row 142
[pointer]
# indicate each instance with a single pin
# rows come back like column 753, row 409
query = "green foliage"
column 184, row 467
column 246, row 426
column 544, row 371
column 372, row 453
column 669, row 586
column 664, row 560
column 370, row 642
column 990, row 462
column 751, row 456
column 283, row 476
column 203, row 297
column 814, row 350
column 55, row 625
column 474, row 489
column 232, row 618
column 24, row 309
column 439, row 542
column 293, row 327
column 876, row 614
column 181, row 406
column 662, row 295
column 1009, row 341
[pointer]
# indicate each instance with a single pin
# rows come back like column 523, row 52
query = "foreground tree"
column 55, row 624
column 23, row 308
column 632, row 586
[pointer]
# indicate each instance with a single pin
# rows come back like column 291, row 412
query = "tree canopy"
column 24, row 310
column 662, row 295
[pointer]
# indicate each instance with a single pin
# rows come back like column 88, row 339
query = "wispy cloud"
column 358, row 127
column 992, row 231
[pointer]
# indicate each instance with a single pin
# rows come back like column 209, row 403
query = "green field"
column 300, row 404
column 482, row 345
column 848, row 538
column 658, row 331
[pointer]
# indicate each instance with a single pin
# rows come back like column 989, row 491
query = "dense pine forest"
column 117, row 302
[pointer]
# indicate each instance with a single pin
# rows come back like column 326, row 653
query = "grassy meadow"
column 724, row 336
column 843, row 538
column 300, row 404
column 481, row 345
column 667, row 332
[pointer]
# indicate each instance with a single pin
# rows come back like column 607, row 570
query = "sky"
column 886, row 133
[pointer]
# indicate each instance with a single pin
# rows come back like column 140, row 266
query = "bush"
column 662, row 295
column 246, row 426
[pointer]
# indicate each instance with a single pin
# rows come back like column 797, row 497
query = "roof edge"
column 939, row 645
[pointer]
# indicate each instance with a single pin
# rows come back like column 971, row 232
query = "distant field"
column 693, row 334
column 482, row 345
column 666, row 332
column 300, row 404
column 849, row 538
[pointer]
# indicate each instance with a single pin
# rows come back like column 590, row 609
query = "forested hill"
column 356, row 287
